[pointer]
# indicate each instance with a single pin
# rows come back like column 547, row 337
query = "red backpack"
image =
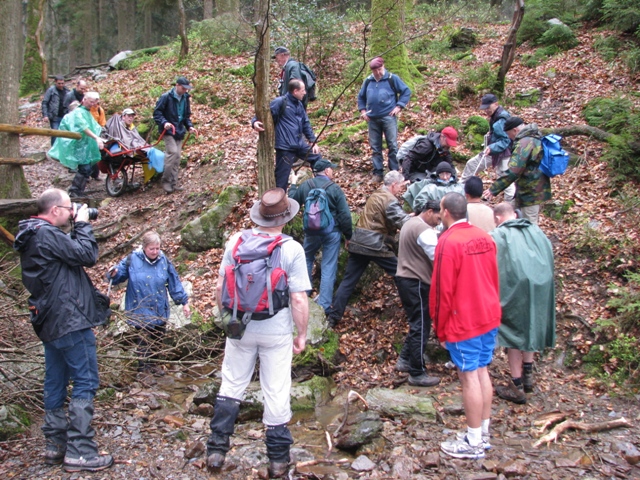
column 255, row 287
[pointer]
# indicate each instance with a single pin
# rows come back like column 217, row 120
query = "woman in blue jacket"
column 150, row 274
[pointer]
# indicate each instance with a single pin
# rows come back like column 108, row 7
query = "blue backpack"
column 317, row 218
column 554, row 159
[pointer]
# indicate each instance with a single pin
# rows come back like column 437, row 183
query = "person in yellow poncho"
column 79, row 154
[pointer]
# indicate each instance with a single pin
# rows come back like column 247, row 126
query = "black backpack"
column 309, row 79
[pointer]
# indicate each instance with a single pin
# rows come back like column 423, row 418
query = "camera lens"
column 91, row 212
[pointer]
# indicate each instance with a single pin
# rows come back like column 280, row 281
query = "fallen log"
column 19, row 207
column 18, row 161
column 553, row 435
column 45, row 132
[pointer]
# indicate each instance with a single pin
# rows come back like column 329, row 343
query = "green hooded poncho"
column 70, row 152
column 527, row 291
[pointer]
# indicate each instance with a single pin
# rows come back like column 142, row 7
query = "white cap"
column 128, row 111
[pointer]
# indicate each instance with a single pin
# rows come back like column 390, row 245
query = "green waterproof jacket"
column 527, row 292
column 70, row 152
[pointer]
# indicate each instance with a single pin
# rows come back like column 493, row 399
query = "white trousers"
column 480, row 163
column 275, row 353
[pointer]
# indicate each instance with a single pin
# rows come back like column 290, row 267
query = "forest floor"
column 144, row 439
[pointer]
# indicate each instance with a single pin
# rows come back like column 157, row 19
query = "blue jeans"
column 71, row 357
column 286, row 158
column 330, row 245
column 388, row 126
column 356, row 265
column 55, row 125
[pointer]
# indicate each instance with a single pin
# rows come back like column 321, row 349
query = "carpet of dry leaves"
column 374, row 325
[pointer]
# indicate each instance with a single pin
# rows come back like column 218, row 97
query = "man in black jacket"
column 329, row 240
column 424, row 153
column 173, row 114
column 53, row 104
column 63, row 310
column 291, row 124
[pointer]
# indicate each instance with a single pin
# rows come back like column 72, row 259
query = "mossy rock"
column 474, row 130
column 207, row 231
column 13, row 420
column 442, row 103
column 462, row 39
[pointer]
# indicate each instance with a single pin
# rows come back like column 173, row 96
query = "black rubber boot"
column 82, row 451
column 222, row 426
column 55, row 434
column 78, row 185
column 278, row 441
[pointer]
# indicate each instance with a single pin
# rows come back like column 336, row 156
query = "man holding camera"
column 64, row 306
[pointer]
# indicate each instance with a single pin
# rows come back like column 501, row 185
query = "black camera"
column 92, row 212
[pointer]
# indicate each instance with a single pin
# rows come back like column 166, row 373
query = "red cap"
column 451, row 135
column 376, row 63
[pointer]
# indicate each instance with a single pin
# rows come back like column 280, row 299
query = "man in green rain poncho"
column 84, row 153
column 527, row 296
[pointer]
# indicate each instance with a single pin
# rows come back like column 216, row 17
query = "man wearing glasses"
column 63, row 310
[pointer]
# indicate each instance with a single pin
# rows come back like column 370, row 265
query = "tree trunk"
column 387, row 39
column 126, row 24
column 227, row 6
column 12, row 181
column 509, row 49
column 208, row 9
column 266, row 139
column 34, row 72
column 184, row 40
column 147, row 41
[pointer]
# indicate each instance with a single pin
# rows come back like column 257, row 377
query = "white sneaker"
column 462, row 435
column 462, row 449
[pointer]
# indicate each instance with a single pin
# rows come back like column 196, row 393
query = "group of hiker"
column 481, row 277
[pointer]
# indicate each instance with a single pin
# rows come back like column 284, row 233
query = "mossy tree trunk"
column 387, row 38
column 126, row 24
column 12, row 181
column 184, row 40
column 266, row 140
column 34, row 72
column 509, row 48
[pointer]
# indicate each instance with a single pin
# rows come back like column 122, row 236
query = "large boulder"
column 118, row 58
column 208, row 231
column 401, row 402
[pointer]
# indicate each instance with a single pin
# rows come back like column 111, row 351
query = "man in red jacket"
column 464, row 303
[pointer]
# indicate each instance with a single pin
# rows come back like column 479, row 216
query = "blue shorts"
column 477, row 352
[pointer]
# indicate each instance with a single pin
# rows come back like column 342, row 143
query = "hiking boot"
column 462, row 435
column 278, row 469
column 95, row 464
column 215, row 461
column 462, row 449
column 402, row 365
column 54, row 454
column 512, row 393
column 178, row 189
column 528, row 382
column 377, row 178
column 423, row 380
